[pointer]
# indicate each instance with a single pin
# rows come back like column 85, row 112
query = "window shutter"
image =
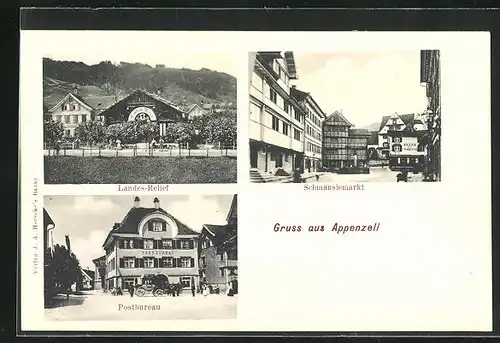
column 179, row 264
column 163, row 226
column 155, row 244
column 136, row 262
column 174, row 244
column 174, row 262
column 192, row 262
column 156, row 263
column 122, row 263
column 141, row 262
column 120, row 243
column 150, row 225
column 161, row 262
column 191, row 244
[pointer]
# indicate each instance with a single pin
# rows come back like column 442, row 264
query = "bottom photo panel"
column 126, row 257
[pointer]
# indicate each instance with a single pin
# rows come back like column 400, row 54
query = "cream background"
column 432, row 273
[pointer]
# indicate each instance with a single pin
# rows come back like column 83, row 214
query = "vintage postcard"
column 350, row 211
column 393, row 134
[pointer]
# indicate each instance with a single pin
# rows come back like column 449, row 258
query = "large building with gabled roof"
column 343, row 145
column 151, row 241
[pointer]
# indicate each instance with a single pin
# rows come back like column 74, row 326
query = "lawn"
column 126, row 170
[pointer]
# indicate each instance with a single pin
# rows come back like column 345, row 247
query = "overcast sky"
column 364, row 85
column 88, row 219
column 92, row 48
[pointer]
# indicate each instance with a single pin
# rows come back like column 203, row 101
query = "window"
column 84, row 118
column 66, row 107
column 297, row 116
column 185, row 262
column 166, row 244
column 58, row 119
column 149, row 262
column 67, row 133
column 285, row 129
column 148, row 244
column 272, row 95
column 296, row 134
column 127, row 282
column 66, row 119
column 75, row 119
column 222, row 272
column 157, row 226
column 286, row 106
column 185, row 244
column 221, row 256
column 75, row 107
column 396, row 140
column 128, row 262
column 186, row 282
column 167, row 262
column 396, row 148
column 257, row 81
column 275, row 123
column 203, row 260
column 128, row 244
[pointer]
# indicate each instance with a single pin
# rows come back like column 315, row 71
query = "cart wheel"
column 158, row 293
column 140, row 292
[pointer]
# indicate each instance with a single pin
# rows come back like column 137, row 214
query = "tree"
column 180, row 133
column 62, row 269
column 146, row 131
column 221, row 129
column 90, row 132
column 52, row 132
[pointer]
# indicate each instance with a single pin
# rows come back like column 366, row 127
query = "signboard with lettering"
column 410, row 146
column 158, row 252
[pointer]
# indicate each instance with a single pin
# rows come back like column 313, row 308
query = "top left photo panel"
column 117, row 114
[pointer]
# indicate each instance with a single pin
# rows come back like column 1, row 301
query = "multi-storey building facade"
column 100, row 272
column 406, row 153
column 149, row 240
column 313, row 125
column 397, row 122
column 431, row 77
column 218, row 252
column 343, row 146
column 276, row 118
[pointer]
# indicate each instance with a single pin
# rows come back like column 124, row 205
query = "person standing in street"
column 192, row 289
column 131, row 290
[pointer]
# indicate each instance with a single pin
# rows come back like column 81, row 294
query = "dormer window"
column 157, row 225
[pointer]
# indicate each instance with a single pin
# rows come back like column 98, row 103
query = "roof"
column 100, row 258
column 233, row 210
column 100, row 102
column 359, row 132
column 406, row 118
column 219, row 233
column 373, row 140
column 290, row 63
column 207, row 106
column 47, row 220
column 130, row 223
column 89, row 273
column 74, row 96
column 340, row 116
column 298, row 94
column 193, row 107
column 159, row 98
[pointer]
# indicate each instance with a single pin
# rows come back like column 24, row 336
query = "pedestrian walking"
column 205, row 290
column 192, row 289
column 131, row 290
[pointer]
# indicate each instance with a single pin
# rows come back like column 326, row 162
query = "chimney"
column 137, row 202
column 157, row 203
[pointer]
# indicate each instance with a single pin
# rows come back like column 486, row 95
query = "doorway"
column 254, row 154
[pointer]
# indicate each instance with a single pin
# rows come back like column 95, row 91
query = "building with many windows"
column 150, row 241
column 218, row 252
column 313, row 124
column 276, row 118
column 397, row 122
column 73, row 110
column 100, row 272
column 343, row 145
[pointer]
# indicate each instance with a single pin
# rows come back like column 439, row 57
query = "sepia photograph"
column 122, row 257
column 335, row 117
column 167, row 118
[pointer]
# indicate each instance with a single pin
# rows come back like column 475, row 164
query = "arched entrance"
column 142, row 114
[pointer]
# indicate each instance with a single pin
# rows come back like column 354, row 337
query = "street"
column 377, row 174
column 96, row 305
column 143, row 152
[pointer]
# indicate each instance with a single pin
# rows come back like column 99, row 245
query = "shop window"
column 186, row 282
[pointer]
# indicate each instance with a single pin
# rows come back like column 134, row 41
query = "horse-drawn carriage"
column 157, row 285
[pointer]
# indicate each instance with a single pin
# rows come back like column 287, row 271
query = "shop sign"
column 158, row 252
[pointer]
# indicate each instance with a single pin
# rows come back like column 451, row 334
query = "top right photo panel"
column 340, row 117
